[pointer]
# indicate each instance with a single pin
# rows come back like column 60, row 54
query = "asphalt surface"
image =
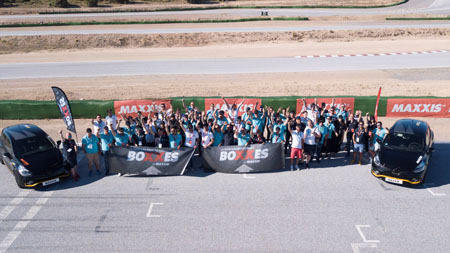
column 411, row 7
column 332, row 207
column 221, row 66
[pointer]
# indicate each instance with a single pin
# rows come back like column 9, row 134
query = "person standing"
column 323, row 139
column 98, row 123
column 297, row 145
column 70, row 150
column 111, row 119
column 332, row 134
column 351, row 127
column 359, row 140
column 311, row 133
column 138, row 138
column 106, row 139
column 91, row 149
column 243, row 137
column 377, row 134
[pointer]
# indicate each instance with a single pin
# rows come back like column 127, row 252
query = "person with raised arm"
column 70, row 150
column 297, row 145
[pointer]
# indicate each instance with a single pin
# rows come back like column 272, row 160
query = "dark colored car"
column 31, row 156
column 404, row 153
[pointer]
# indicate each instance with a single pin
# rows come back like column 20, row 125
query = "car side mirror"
column 7, row 155
column 378, row 140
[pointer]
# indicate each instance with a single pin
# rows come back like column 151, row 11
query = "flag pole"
column 376, row 106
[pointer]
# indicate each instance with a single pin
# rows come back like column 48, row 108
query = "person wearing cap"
column 121, row 138
column 107, row 141
column 70, row 150
column 297, row 145
column 91, row 148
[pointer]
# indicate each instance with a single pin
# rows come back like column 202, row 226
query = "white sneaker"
column 119, row 174
column 296, row 167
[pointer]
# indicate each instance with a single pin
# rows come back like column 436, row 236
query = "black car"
column 31, row 156
column 404, row 153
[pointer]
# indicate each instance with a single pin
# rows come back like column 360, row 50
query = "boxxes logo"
column 244, row 154
column 159, row 157
column 439, row 108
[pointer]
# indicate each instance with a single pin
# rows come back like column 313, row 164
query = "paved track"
column 221, row 66
column 316, row 210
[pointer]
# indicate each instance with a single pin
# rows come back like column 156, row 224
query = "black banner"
column 64, row 108
column 239, row 159
column 150, row 161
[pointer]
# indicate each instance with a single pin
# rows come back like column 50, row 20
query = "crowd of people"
column 317, row 132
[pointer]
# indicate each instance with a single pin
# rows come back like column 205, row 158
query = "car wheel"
column 20, row 182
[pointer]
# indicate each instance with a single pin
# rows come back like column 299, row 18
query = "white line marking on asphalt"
column 21, row 225
column 7, row 210
column 149, row 213
column 433, row 193
column 357, row 246
column 358, row 227
column 247, row 176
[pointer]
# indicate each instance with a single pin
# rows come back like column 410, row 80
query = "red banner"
column 219, row 104
column 131, row 107
column 428, row 107
column 348, row 102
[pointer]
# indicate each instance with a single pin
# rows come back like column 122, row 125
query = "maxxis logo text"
column 433, row 108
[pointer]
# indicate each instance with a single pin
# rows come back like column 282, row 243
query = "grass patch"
column 229, row 7
column 430, row 18
column 152, row 22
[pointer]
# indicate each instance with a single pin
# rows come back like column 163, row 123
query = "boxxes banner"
column 239, row 159
column 412, row 107
column 64, row 108
column 150, row 161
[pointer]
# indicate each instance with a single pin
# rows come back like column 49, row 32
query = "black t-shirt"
column 228, row 139
column 360, row 137
column 258, row 140
column 340, row 127
column 352, row 126
column 69, row 151
column 164, row 140
column 139, row 140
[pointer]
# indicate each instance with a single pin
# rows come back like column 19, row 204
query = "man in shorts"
column 91, row 148
column 358, row 139
column 310, row 133
column 297, row 145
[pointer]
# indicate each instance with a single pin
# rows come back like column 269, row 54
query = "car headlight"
column 419, row 167
column 23, row 171
column 376, row 160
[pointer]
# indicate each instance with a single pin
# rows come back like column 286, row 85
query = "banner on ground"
column 64, row 108
column 132, row 107
column 348, row 102
column 427, row 107
column 239, row 159
column 220, row 104
column 150, row 161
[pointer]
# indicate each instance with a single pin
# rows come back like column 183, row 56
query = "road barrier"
column 27, row 109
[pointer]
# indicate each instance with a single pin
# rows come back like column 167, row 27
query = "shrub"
column 120, row 1
column 59, row 3
column 92, row 3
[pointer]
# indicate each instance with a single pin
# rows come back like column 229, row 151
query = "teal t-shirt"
column 218, row 137
column 91, row 144
column 243, row 139
column 174, row 140
column 277, row 138
column 105, row 140
column 121, row 139
column 331, row 129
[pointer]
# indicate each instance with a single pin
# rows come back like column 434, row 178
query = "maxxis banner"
column 415, row 107
column 149, row 161
column 146, row 107
column 239, row 159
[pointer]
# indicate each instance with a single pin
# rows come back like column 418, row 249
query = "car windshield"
column 403, row 141
column 32, row 145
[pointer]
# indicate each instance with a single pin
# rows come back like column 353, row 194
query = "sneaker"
column 292, row 167
column 297, row 168
column 119, row 174
column 90, row 173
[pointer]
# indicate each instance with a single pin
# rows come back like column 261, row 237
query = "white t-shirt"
column 98, row 126
column 112, row 121
column 233, row 114
column 191, row 138
column 310, row 139
column 206, row 137
column 297, row 139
